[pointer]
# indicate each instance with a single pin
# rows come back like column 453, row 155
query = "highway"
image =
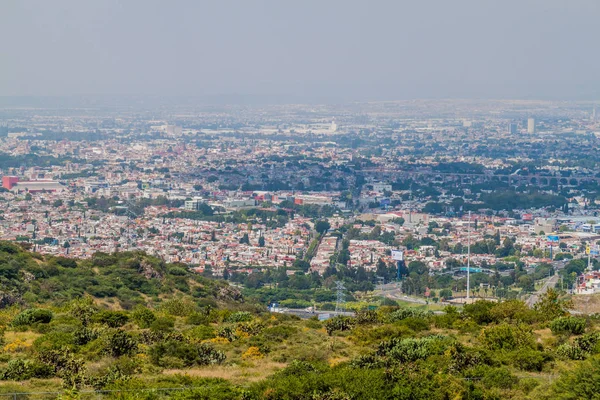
column 392, row 291
column 549, row 283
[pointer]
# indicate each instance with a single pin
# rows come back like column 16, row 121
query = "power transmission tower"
column 340, row 297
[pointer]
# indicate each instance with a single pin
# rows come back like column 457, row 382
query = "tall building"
column 512, row 128
column 531, row 125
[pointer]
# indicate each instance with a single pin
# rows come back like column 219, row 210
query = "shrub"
column 189, row 354
column 240, row 316
column 143, row 317
column 369, row 361
column 297, row 368
column 112, row 319
column 279, row 333
column 178, row 307
column 163, row 324
column 480, row 311
column 117, row 343
column 507, row 337
column 19, row 370
column 572, row 325
column 33, row 316
column 64, row 365
column 404, row 313
column 513, row 310
column 177, row 271
column 529, row 360
column 201, row 332
column 571, row 352
column 227, row 332
column 83, row 309
column 338, row 323
column 84, row 335
column 589, row 342
column 197, row 318
column 408, row 350
column 499, row 377
column 462, row 357
column 253, row 353
column 416, row 324
column 365, row 317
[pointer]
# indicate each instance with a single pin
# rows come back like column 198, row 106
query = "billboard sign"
column 397, row 255
column 553, row 238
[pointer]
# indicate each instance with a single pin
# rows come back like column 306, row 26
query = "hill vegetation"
column 125, row 325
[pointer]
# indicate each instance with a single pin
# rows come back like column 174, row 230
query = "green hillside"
column 128, row 326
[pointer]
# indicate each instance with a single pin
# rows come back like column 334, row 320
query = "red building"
column 9, row 181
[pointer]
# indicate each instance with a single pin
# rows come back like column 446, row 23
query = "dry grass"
column 28, row 336
column 238, row 374
column 587, row 304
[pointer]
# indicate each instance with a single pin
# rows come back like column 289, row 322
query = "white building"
column 531, row 125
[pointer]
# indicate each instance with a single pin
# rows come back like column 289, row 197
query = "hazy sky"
column 355, row 50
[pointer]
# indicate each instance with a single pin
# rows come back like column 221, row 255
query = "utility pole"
column 469, row 257
column 588, row 250
column 340, row 298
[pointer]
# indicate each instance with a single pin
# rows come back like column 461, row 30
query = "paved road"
column 392, row 291
column 550, row 283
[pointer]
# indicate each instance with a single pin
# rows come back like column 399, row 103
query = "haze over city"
column 302, row 51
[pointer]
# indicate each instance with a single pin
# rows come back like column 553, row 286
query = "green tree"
column 550, row 306
column 322, row 226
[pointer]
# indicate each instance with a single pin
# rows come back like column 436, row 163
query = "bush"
column 143, row 317
column 279, row 333
column 297, row 368
column 240, row 316
column 189, row 354
column 118, row 343
column 499, row 377
column 64, row 365
column 480, row 311
column 201, row 332
column 513, row 310
column 338, row 323
column 529, row 360
column 463, row 357
column 365, row 317
column 197, row 318
column 507, row 337
column 571, row 352
column 84, row 335
column 178, row 307
column 227, row 332
column 572, row 325
column 589, row 342
column 33, row 316
column 112, row 319
column 19, row 370
column 163, row 324
column 404, row 313
column 416, row 324
column 408, row 350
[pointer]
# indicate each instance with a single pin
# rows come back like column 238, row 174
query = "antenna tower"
column 340, row 297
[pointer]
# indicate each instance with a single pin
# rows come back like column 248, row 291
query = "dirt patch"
column 253, row 372
column 587, row 303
